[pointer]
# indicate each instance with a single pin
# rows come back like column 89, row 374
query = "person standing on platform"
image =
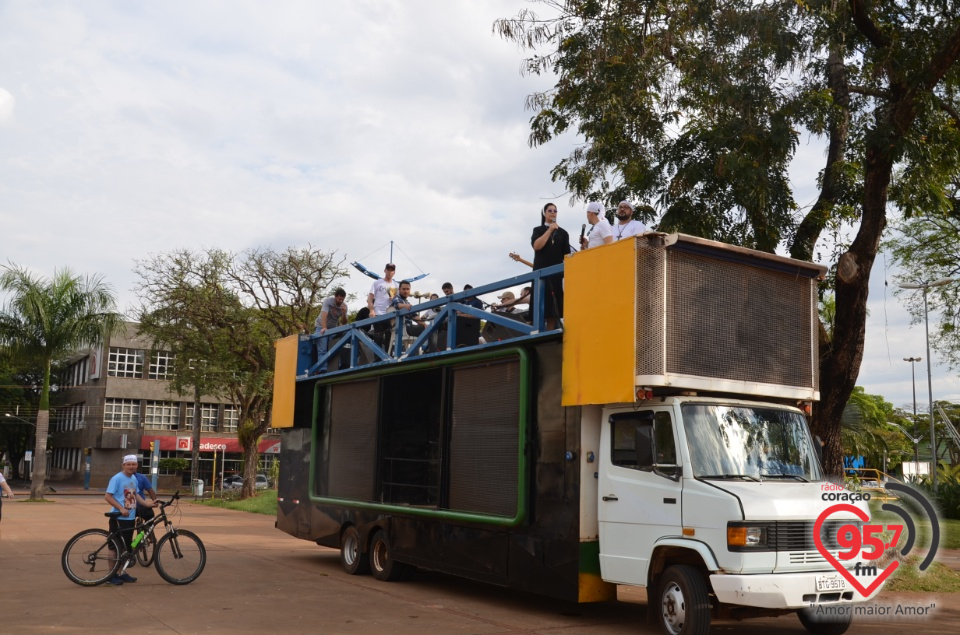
column 600, row 232
column 551, row 243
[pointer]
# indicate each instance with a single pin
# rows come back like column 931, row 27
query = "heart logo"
column 859, row 513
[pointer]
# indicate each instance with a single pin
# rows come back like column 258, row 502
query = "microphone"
column 583, row 230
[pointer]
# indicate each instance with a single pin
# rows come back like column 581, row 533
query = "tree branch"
column 866, row 26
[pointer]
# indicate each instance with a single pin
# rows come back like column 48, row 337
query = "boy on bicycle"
column 123, row 497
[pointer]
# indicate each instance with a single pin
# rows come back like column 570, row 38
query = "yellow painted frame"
column 285, row 381
column 599, row 325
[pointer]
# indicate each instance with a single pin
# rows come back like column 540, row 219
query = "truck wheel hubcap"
column 673, row 608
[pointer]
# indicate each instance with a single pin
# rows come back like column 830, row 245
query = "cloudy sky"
column 134, row 128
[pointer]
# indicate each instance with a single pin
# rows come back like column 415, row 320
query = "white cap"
column 595, row 208
column 131, row 458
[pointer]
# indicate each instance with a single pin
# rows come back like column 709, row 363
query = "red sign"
column 207, row 444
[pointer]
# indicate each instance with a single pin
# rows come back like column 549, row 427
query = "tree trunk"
column 38, row 484
column 39, row 481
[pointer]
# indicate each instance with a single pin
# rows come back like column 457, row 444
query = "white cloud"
column 7, row 103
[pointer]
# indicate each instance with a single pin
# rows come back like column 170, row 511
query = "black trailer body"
column 468, row 462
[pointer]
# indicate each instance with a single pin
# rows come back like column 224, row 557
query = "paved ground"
column 260, row 580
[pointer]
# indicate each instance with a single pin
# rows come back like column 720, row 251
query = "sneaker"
column 115, row 580
column 126, row 577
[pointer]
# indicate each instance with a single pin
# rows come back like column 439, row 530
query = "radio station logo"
column 869, row 541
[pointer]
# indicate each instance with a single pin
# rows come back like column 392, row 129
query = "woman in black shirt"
column 550, row 244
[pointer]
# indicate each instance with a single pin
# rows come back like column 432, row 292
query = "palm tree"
column 46, row 320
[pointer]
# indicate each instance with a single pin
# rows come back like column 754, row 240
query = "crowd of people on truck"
column 551, row 244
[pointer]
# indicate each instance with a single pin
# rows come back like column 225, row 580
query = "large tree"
column 700, row 107
column 220, row 314
column 44, row 321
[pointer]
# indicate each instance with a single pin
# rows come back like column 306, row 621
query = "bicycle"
column 94, row 556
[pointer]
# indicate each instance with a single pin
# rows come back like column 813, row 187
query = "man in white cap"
column 123, row 498
column 600, row 232
column 626, row 226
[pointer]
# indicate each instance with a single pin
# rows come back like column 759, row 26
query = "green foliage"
column 948, row 490
column 174, row 464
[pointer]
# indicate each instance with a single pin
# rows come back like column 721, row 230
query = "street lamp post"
column 913, row 375
column 925, row 286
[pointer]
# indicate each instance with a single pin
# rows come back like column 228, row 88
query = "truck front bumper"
column 781, row 590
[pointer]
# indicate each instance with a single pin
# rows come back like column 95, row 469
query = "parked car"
column 234, row 481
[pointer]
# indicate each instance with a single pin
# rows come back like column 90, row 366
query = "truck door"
column 639, row 497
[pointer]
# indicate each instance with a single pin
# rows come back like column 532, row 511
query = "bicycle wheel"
column 146, row 550
column 180, row 557
column 90, row 557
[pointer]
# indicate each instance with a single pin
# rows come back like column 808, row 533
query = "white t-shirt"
column 633, row 228
column 598, row 232
column 383, row 292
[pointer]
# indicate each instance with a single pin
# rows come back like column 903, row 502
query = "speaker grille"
column 730, row 320
column 353, row 440
column 485, row 439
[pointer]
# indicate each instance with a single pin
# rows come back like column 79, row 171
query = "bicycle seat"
column 113, row 514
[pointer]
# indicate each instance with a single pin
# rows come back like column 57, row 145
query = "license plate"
column 830, row 583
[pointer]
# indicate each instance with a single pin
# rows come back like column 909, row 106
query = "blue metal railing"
column 382, row 336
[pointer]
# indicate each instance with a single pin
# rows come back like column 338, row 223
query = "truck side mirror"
column 644, row 446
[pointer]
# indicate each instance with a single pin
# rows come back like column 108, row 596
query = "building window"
column 161, row 415
column 121, row 413
column 208, row 417
column 125, row 362
column 69, row 418
column 161, row 365
column 231, row 417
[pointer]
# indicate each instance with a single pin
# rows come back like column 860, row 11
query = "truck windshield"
column 741, row 442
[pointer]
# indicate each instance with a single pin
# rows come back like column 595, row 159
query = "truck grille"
column 797, row 535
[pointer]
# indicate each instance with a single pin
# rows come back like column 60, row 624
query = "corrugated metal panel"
column 484, row 438
column 353, row 440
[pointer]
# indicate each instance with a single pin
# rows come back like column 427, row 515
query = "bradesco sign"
column 212, row 447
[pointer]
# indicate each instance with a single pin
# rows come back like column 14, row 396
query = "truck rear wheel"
column 353, row 561
column 684, row 608
column 825, row 624
column 382, row 564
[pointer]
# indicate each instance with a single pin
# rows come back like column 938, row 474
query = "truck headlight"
column 745, row 537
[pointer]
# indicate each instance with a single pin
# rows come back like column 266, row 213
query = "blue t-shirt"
column 124, row 489
column 143, row 485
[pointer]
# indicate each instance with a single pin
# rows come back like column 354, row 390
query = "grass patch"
column 936, row 579
column 264, row 502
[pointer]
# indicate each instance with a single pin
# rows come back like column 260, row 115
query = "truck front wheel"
column 382, row 564
column 353, row 561
column 832, row 624
column 684, row 607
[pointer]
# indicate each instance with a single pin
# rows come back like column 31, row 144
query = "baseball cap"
column 507, row 295
column 595, row 207
column 131, row 458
